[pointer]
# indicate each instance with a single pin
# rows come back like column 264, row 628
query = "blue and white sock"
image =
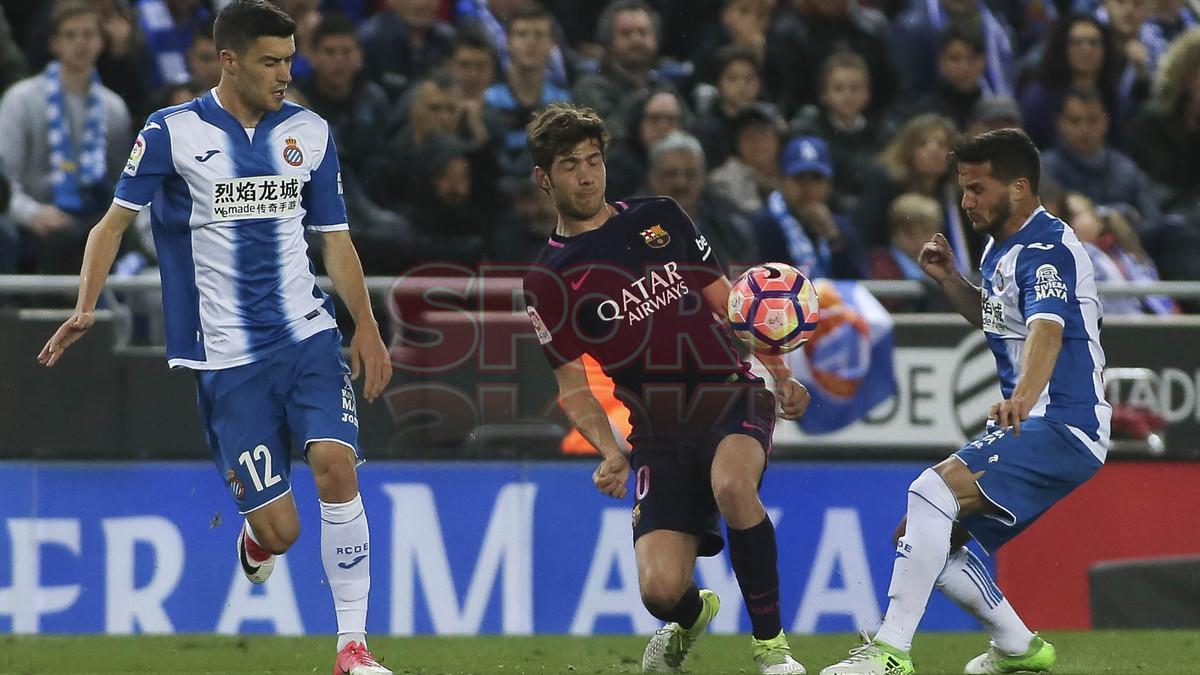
column 920, row 557
column 966, row 581
column 346, row 555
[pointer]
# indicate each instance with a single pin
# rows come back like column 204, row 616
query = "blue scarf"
column 76, row 165
column 811, row 259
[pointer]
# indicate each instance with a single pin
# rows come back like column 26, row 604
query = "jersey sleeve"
column 703, row 265
column 546, row 304
column 325, row 209
column 148, row 164
column 1047, row 276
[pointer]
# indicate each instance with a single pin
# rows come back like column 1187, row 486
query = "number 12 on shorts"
column 260, row 453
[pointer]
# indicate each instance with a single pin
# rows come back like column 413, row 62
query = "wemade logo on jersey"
column 645, row 295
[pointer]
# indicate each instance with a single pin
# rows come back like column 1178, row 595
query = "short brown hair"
column 69, row 9
column 560, row 127
column 847, row 60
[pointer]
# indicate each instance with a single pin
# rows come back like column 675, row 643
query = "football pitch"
column 1080, row 653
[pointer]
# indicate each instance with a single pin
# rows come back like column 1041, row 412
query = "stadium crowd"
column 814, row 132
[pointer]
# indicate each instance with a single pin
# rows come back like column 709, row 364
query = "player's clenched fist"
column 793, row 399
column 611, row 476
column 937, row 258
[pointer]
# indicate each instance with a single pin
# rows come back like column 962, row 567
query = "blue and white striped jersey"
column 1043, row 272
column 228, row 209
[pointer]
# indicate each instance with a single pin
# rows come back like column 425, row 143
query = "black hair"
column 242, row 21
column 1011, row 152
column 332, row 25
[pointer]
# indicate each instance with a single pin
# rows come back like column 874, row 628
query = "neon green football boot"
column 774, row 657
column 670, row 645
column 1039, row 658
column 873, row 658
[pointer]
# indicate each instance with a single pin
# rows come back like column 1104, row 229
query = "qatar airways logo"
column 645, row 296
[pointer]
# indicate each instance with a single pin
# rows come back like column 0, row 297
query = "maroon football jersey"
column 629, row 294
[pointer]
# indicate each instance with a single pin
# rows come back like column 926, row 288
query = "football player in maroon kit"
column 634, row 284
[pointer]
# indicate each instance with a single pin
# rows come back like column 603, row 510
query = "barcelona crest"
column 656, row 237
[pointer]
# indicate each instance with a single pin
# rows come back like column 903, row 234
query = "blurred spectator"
column 739, row 82
column 12, row 59
column 403, row 43
column 489, row 17
column 677, row 171
column 203, row 62
column 752, row 171
column 306, row 15
column 1082, row 162
column 1125, row 18
column 432, row 106
column 999, row 112
column 960, row 65
column 122, row 64
column 840, row 118
column 917, row 160
column 1168, row 127
column 913, row 219
column 1116, row 254
column 917, row 37
column 9, row 239
column 523, row 234
column 525, row 88
column 473, row 65
column 448, row 223
column 356, row 108
column 742, row 23
column 1079, row 52
column 169, row 26
column 629, row 30
column 178, row 94
column 66, row 138
column 808, row 32
column 797, row 226
column 652, row 116
column 1168, row 20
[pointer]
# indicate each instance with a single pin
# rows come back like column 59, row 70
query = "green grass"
column 1080, row 653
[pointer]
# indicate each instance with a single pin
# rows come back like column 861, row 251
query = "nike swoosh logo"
column 760, row 596
column 579, row 282
column 207, row 156
column 747, row 425
column 151, row 125
column 352, row 563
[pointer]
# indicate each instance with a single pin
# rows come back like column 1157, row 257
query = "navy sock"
column 686, row 611
column 754, row 558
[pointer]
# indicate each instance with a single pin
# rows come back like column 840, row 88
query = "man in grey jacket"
column 66, row 139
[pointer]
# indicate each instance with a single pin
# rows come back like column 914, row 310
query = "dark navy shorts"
column 254, row 414
column 672, row 484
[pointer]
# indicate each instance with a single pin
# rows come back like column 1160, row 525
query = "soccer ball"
column 773, row 308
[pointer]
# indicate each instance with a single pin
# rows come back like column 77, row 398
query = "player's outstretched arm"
column 587, row 415
column 1037, row 365
column 937, row 259
column 103, row 242
column 367, row 352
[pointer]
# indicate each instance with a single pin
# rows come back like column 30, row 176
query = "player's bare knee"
column 661, row 592
column 734, row 493
column 335, row 473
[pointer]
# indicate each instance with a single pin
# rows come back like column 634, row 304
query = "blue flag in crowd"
column 847, row 365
